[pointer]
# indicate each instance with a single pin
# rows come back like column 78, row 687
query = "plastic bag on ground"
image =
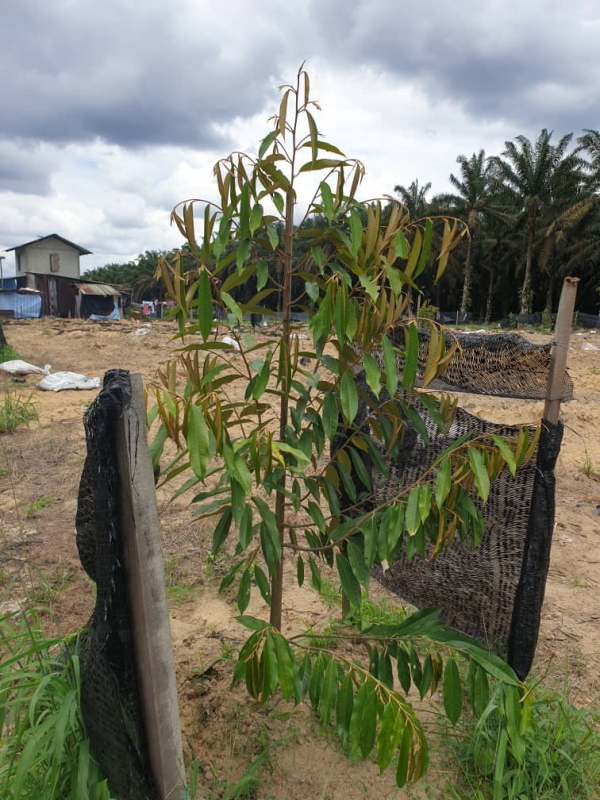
column 18, row 367
column 67, row 380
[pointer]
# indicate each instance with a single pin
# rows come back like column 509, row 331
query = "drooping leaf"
column 452, row 691
column 482, row 479
column 349, row 396
column 350, row 585
column 243, row 595
column 389, row 363
column 357, row 562
column 205, row 305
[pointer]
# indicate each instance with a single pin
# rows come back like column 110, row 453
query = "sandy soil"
column 222, row 727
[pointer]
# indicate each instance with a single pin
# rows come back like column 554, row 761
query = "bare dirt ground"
column 39, row 474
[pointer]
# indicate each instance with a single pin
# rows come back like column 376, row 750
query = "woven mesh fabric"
column 501, row 364
column 109, row 694
column 494, row 592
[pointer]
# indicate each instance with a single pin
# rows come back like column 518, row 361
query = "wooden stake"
column 150, row 618
column 558, row 359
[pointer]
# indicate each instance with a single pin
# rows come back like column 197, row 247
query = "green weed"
column 7, row 353
column 559, row 758
column 16, row 410
column 44, row 752
column 37, row 505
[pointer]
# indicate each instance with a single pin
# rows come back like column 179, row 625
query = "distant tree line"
column 532, row 215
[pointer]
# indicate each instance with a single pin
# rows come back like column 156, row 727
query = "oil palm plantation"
column 473, row 199
column 528, row 176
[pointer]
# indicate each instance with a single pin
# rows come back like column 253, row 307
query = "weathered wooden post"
column 150, row 618
column 558, row 359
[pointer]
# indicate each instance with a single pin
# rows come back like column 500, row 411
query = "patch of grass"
column 37, row 505
column 587, row 467
column 177, row 590
column 44, row 751
column 7, row 353
column 560, row 758
column 16, row 410
column 46, row 592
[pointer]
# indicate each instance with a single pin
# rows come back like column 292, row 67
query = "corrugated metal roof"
column 81, row 249
column 102, row 289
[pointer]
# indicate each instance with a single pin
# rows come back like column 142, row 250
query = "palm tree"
column 526, row 173
column 473, row 199
column 589, row 143
column 414, row 198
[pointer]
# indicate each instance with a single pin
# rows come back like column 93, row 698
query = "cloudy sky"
column 114, row 111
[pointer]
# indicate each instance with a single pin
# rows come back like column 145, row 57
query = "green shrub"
column 16, row 410
column 44, row 751
column 558, row 757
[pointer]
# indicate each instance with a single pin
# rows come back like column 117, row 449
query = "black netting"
column 109, row 694
column 494, row 592
column 502, row 364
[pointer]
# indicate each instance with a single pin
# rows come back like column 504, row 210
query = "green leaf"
column 273, row 235
column 400, row 245
column 403, row 669
column 373, row 374
column 424, row 501
column 356, row 231
column 356, row 558
column 350, row 585
column 300, row 570
column 411, row 361
column 330, row 414
column 321, row 163
column 286, row 667
column 205, row 306
column 349, row 396
column 344, row 706
column 481, row 691
column 198, row 442
column 415, row 420
column 157, row 445
column 233, row 307
column 312, row 290
column 327, row 198
column 424, row 257
column 221, row 531
column 404, row 752
column 245, row 526
column 256, row 216
column 368, row 724
column 389, row 363
column 390, row 733
column 443, row 482
column 267, row 142
column 270, row 526
column 316, row 579
column 252, row 623
column 263, row 584
column 452, row 691
column 412, row 516
column 360, row 468
column 262, row 275
column 328, row 697
column 482, row 479
column 243, row 595
column 317, row 517
column 507, row 453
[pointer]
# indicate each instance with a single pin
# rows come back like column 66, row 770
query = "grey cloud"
column 498, row 59
column 24, row 169
column 85, row 70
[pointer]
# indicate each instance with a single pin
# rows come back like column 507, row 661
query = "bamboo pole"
column 558, row 359
column 150, row 617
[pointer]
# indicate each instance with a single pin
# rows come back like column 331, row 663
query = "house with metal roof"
column 51, row 265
